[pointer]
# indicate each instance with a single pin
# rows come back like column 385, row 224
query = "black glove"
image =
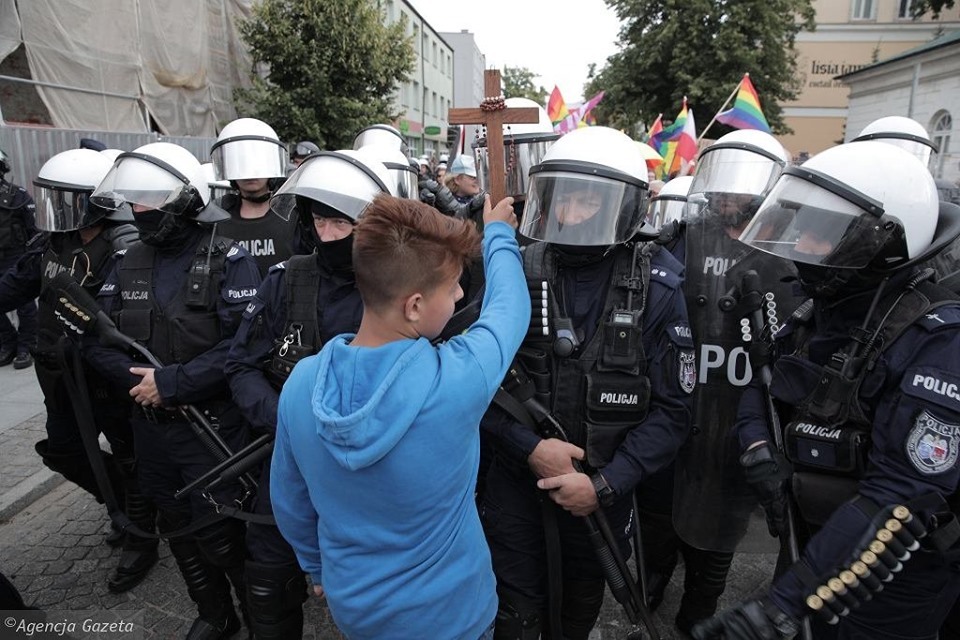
column 442, row 198
column 427, row 197
column 753, row 620
column 767, row 472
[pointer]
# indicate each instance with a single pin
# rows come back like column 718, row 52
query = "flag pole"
column 725, row 103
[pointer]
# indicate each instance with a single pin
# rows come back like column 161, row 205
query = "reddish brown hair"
column 401, row 247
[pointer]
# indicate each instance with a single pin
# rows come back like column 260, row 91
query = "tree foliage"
column 331, row 67
column 934, row 7
column 518, row 83
column 699, row 49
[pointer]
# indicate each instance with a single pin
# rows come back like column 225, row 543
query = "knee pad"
column 274, row 592
column 222, row 543
column 518, row 618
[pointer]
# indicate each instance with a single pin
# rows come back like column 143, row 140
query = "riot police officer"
column 180, row 291
column 865, row 391
column 17, row 226
column 78, row 239
column 711, row 507
column 251, row 157
column 301, row 304
column 613, row 364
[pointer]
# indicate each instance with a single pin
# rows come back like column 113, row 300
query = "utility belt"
column 214, row 411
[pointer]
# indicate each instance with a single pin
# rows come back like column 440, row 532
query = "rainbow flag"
column 746, row 112
column 667, row 140
column 654, row 129
column 582, row 115
column 557, row 107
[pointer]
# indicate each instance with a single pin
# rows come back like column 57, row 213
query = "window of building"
column 416, row 37
column 433, row 104
column 903, row 8
column 434, row 54
column 415, row 99
column 864, row 10
column 942, row 125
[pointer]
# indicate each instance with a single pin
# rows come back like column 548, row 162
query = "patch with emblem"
column 234, row 250
column 932, row 445
column 687, row 371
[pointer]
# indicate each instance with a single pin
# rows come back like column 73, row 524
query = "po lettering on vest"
column 135, row 295
column 683, row 332
column 238, row 294
column 619, row 398
column 258, row 246
column 936, row 385
column 738, row 369
column 54, row 268
column 717, row 265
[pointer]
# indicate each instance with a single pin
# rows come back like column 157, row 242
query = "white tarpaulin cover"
column 178, row 60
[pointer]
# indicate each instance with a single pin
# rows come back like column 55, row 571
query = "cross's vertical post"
column 493, row 114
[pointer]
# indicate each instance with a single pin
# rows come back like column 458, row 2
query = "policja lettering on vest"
column 937, row 386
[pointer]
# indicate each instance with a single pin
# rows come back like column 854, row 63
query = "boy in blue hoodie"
column 377, row 478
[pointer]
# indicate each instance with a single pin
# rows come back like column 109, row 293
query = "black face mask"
column 578, row 256
column 336, row 255
column 160, row 229
column 829, row 283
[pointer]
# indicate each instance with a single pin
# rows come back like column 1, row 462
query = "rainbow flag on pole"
column 746, row 112
column 557, row 107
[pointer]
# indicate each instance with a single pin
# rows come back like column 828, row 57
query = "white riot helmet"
column 903, row 132
column 589, row 191
column 160, row 176
column 346, row 181
column 732, row 177
column 524, row 146
column 381, row 134
column 63, row 188
column 218, row 188
column 111, row 154
column 404, row 179
column 846, row 209
column 249, row 148
column 667, row 206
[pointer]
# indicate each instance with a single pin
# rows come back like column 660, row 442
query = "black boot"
column 206, row 586
column 704, row 581
column 222, row 546
column 275, row 597
column 139, row 554
column 660, row 553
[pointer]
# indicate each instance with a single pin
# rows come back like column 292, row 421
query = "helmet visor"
column 666, row 209
column 60, row 210
column 331, row 178
column 803, row 222
column 582, row 209
column 731, row 170
column 243, row 158
column 135, row 181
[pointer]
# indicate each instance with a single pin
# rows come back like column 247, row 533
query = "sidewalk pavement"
column 52, row 549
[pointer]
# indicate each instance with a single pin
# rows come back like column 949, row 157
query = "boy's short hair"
column 401, row 247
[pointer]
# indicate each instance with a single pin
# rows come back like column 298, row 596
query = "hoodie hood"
column 366, row 399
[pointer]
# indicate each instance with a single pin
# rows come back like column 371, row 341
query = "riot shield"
column 714, row 508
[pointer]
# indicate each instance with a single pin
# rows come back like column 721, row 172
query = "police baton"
column 80, row 313
column 233, row 467
column 622, row 585
column 751, row 300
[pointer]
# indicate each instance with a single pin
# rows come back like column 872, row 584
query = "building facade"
column 427, row 96
column 850, row 34
column 922, row 83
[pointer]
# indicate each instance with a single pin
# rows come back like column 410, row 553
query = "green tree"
column 933, row 7
column 518, row 83
column 329, row 68
column 699, row 49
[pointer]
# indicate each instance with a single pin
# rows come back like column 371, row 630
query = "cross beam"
column 493, row 114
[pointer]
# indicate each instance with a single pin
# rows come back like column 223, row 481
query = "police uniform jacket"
column 912, row 396
column 654, row 441
column 201, row 377
column 265, row 322
column 17, row 220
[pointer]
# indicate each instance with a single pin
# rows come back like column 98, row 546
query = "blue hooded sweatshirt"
column 375, row 464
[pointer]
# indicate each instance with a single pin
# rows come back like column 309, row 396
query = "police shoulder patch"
column 253, row 308
column 277, row 267
column 940, row 318
column 933, row 385
column 120, row 252
column 234, row 250
column 932, row 444
column 108, row 289
column 687, row 370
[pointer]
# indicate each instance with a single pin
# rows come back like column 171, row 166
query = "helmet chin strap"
column 263, row 197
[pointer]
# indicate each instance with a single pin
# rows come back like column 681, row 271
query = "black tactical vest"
column 602, row 390
column 268, row 239
column 13, row 233
column 301, row 335
column 190, row 324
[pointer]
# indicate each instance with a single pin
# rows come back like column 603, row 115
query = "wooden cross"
column 493, row 114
